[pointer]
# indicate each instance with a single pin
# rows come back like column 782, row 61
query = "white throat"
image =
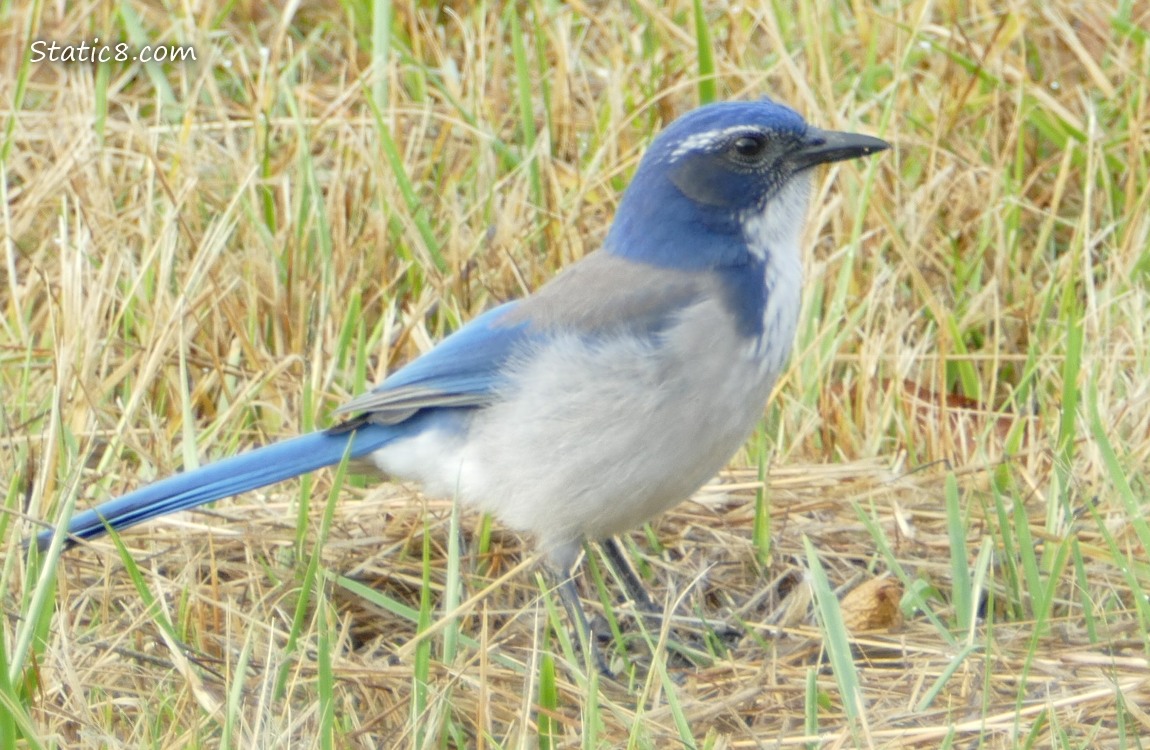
column 773, row 234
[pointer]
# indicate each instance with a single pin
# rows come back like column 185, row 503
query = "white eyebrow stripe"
column 706, row 138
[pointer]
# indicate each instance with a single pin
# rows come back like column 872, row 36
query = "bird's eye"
column 748, row 147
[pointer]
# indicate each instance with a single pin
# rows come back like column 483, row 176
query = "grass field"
column 204, row 256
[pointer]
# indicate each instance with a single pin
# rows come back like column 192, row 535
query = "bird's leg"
column 636, row 591
column 569, row 595
column 646, row 606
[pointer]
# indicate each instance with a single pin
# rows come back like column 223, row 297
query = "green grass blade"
column 961, row 595
column 708, row 89
column 546, row 726
column 836, row 635
column 380, row 50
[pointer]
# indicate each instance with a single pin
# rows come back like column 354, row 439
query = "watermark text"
column 44, row 50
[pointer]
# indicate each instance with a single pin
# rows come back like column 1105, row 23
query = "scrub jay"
column 613, row 392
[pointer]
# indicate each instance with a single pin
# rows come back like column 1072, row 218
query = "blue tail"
column 247, row 471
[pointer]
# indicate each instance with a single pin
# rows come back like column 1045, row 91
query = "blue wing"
column 462, row 370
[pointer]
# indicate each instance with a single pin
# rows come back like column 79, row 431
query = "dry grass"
column 204, row 256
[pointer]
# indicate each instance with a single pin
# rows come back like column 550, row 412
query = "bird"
column 614, row 391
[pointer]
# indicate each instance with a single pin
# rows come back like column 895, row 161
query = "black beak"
column 824, row 146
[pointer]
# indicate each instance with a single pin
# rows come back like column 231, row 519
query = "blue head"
column 704, row 192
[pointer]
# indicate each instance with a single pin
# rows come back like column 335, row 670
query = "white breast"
column 598, row 440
